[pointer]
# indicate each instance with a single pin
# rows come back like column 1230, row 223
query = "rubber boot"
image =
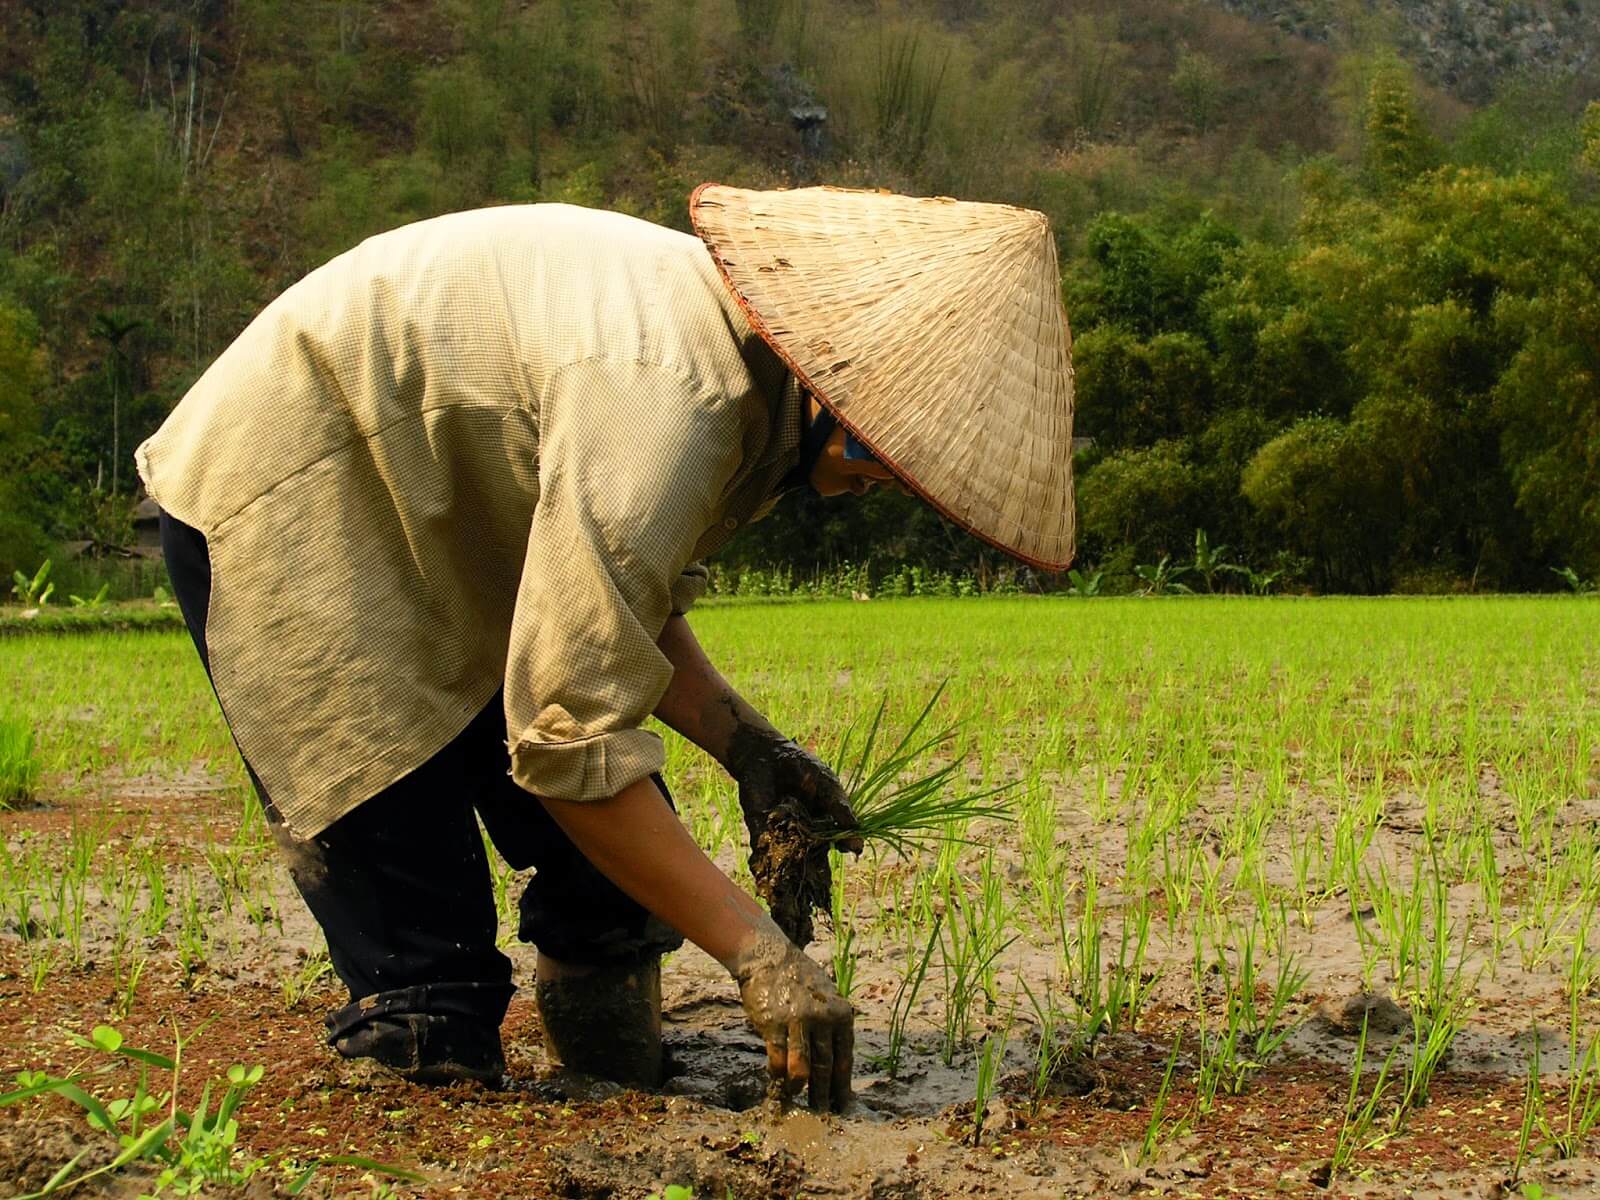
column 603, row 1021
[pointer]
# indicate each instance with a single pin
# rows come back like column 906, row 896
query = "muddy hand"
column 773, row 770
column 808, row 1027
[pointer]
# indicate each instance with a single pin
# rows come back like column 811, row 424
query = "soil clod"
column 790, row 867
column 1380, row 1014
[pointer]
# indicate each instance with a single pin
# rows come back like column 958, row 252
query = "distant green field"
column 1187, row 688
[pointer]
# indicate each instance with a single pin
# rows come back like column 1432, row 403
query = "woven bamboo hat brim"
column 934, row 331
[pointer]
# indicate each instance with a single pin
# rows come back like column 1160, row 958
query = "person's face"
column 834, row 474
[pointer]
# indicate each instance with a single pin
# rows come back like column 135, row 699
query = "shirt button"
column 730, row 524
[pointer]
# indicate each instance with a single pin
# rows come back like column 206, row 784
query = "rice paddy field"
column 1291, row 897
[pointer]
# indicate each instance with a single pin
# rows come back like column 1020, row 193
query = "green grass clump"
column 19, row 766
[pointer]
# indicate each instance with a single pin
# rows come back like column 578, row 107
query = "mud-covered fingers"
column 777, row 1052
column 844, row 1051
column 799, row 1057
column 820, row 1084
column 837, row 805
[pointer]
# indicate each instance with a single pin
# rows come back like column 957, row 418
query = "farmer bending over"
column 434, row 519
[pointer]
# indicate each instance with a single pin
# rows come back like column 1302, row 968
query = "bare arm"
column 704, row 707
column 637, row 842
column 640, row 845
column 699, row 703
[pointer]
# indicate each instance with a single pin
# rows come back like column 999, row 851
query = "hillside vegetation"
column 1343, row 317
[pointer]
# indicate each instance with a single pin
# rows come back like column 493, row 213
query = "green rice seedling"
column 1129, row 986
column 19, row 763
column 908, row 815
column 1103, row 806
column 1053, row 1049
column 66, row 900
column 1487, row 877
column 1307, row 862
column 990, row 1058
column 41, row 958
column 1398, row 913
column 193, row 941
column 905, row 999
column 501, row 878
column 126, row 974
column 1368, row 945
column 845, row 955
column 1179, row 867
column 1248, row 1036
column 1082, row 953
column 1158, row 1129
column 1582, row 1108
column 1441, row 1000
column 1359, row 1117
column 227, row 868
column 1269, row 1030
column 1532, row 1113
column 1044, row 862
column 1544, row 916
column 256, row 897
column 1212, row 894
column 86, row 839
column 993, row 916
column 300, row 981
column 124, row 895
column 16, row 894
column 1217, row 1054
column 893, row 800
column 973, row 930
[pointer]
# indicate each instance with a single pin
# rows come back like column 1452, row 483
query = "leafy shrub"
column 460, row 115
column 1144, row 499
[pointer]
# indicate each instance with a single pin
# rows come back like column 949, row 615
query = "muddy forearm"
column 703, row 706
column 638, row 843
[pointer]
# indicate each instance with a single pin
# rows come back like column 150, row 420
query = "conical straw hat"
column 934, row 331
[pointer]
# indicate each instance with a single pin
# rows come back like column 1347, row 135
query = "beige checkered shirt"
column 483, row 449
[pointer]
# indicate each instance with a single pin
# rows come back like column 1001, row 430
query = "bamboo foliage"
column 905, row 97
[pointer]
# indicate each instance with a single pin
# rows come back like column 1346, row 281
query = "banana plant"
column 95, row 601
column 1578, row 585
column 1162, row 578
column 1084, row 584
column 1211, row 561
column 35, row 592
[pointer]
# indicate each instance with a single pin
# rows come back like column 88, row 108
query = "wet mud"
column 33, row 1151
column 711, row 1126
column 790, row 868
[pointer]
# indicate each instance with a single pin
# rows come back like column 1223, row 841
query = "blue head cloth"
column 812, row 441
column 854, row 451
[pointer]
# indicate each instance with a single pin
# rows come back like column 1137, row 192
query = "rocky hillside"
column 1469, row 47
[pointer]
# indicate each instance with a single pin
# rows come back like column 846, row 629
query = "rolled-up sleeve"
column 688, row 587
column 633, row 463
